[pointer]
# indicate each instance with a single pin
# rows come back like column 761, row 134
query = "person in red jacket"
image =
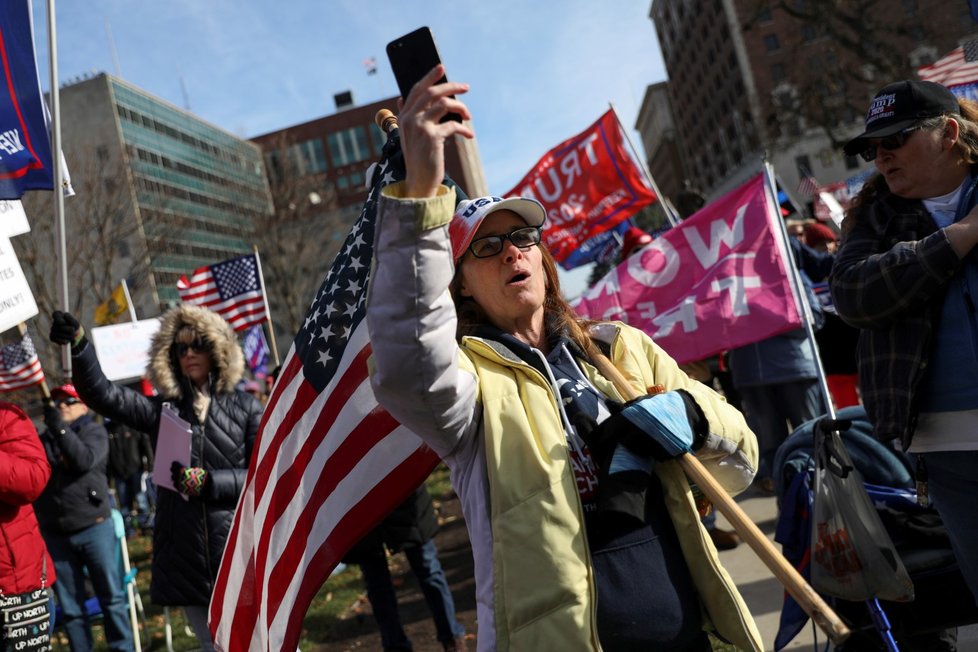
column 26, row 569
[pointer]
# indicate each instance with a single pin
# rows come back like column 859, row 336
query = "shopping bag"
column 853, row 556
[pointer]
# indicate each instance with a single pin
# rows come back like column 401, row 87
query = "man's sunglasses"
column 524, row 238
column 197, row 346
column 889, row 143
column 68, row 400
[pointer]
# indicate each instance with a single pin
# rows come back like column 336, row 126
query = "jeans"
column 96, row 549
column 197, row 618
column 380, row 591
column 768, row 408
column 953, row 485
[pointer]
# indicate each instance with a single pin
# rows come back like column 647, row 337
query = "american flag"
column 19, row 366
column 328, row 465
column 231, row 288
column 957, row 68
column 808, row 185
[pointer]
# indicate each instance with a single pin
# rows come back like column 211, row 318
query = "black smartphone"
column 412, row 56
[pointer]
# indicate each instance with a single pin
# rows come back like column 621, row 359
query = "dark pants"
column 380, row 591
column 770, row 408
column 96, row 549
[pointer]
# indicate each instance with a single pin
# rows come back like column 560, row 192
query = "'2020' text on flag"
column 588, row 184
column 715, row 282
column 329, row 463
column 19, row 366
column 231, row 288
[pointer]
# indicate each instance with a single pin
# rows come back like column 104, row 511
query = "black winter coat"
column 188, row 535
column 77, row 494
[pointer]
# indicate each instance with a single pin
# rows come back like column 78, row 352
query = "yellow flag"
column 109, row 311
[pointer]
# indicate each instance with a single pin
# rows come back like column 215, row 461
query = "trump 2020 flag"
column 328, row 465
column 231, row 288
column 717, row 281
column 25, row 153
column 588, row 184
column 255, row 351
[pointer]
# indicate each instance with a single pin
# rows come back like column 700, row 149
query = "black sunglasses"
column 889, row 143
column 198, row 346
column 524, row 238
column 67, row 400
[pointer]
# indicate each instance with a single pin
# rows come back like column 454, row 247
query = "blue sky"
column 539, row 72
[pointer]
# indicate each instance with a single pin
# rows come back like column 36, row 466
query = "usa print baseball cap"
column 470, row 213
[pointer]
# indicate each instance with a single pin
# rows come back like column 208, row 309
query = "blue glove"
column 665, row 426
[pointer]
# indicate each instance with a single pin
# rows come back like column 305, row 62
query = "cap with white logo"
column 470, row 213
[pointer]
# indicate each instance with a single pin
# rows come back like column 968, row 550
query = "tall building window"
column 778, row 73
column 808, row 33
column 771, row 43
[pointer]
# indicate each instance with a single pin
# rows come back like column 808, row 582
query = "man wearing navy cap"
column 76, row 521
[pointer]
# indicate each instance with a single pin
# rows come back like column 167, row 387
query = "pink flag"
column 715, row 282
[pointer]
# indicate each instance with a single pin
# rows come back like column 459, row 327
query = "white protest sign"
column 123, row 349
column 13, row 219
column 16, row 300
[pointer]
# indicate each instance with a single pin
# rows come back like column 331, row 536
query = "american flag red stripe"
column 959, row 67
column 19, row 365
column 230, row 288
column 328, row 464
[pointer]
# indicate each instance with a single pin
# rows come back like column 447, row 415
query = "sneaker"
column 767, row 486
column 724, row 539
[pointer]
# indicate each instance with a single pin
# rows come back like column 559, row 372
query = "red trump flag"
column 589, row 184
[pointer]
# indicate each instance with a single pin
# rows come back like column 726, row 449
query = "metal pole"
column 268, row 313
column 59, row 195
column 667, row 206
column 132, row 308
column 794, row 279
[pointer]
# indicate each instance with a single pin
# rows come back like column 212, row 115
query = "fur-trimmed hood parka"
column 227, row 359
column 189, row 534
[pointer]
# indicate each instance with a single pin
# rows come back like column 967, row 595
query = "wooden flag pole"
column 784, row 572
column 268, row 313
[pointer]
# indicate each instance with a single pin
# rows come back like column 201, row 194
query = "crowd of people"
column 585, row 532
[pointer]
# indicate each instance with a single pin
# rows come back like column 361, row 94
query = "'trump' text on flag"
column 329, row 463
column 231, row 288
column 588, row 184
column 715, row 282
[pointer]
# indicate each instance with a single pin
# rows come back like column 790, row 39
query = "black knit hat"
column 901, row 105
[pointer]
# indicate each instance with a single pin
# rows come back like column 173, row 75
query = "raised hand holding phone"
column 411, row 57
column 423, row 133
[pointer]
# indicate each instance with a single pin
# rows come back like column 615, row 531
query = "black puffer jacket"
column 77, row 495
column 189, row 535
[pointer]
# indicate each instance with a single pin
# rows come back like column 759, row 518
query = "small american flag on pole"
column 329, row 462
column 231, row 288
column 19, row 366
column 959, row 67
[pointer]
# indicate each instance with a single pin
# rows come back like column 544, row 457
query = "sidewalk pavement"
column 764, row 593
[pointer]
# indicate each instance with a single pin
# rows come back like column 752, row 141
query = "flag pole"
column 268, row 313
column 794, row 280
column 670, row 212
column 132, row 308
column 59, row 196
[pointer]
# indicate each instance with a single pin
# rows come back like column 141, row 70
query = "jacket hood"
column 227, row 359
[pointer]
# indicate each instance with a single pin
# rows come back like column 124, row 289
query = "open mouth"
column 519, row 277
